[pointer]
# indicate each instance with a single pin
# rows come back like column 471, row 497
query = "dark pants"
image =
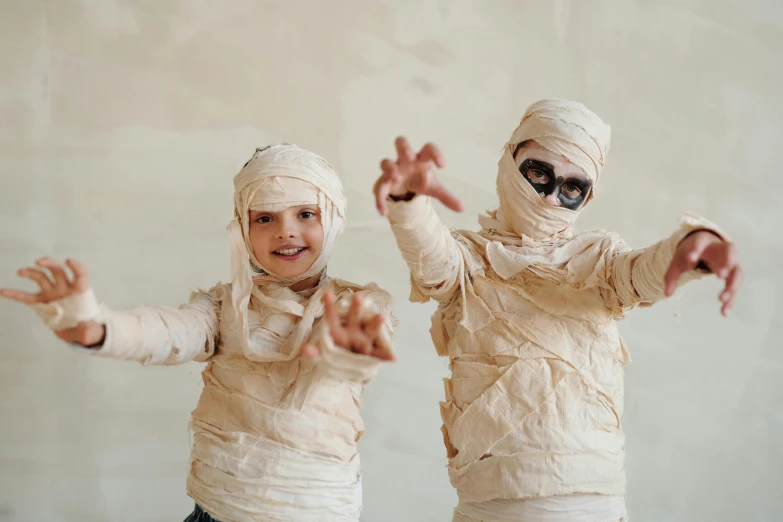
column 199, row 515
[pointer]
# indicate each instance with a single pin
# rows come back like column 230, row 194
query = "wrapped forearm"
column 147, row 334
column 637, row 276
column 432, row 254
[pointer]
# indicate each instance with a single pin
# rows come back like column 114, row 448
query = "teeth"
column 289, row 251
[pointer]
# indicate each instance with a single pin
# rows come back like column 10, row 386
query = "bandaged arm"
column 147, row 334
column 431, row 252
column 636, row 277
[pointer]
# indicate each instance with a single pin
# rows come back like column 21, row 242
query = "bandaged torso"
column 527, row 310
column 534, row 402
column 272, row 440
column 274, row 434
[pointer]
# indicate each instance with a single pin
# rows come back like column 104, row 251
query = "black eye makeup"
column 570, row 191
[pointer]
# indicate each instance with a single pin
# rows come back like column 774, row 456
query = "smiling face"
column 559, row 182
column 288, row 242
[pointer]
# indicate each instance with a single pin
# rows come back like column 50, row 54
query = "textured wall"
column 122, row 123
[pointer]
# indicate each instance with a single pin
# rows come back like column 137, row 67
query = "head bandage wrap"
column 275, row 178
column 563, row 127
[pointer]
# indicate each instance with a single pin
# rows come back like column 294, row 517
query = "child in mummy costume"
column 275, row 433
column 527, row 317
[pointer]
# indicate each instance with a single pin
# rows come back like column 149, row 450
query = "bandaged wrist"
column 69, row 311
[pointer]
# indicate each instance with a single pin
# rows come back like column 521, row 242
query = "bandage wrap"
column 527, row 317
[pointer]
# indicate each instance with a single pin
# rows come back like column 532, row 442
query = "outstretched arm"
column 645, row 276
column 147, row 334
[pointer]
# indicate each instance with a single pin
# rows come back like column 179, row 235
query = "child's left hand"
column 351, row 333
column 719, row 256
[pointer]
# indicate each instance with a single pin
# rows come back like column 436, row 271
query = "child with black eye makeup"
column 527, row 317
column 552, row 179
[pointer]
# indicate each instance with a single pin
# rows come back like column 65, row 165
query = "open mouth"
column 290, row 254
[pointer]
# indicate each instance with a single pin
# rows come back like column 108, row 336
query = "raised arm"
column 404, row 194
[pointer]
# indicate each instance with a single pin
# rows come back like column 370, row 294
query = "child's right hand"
column 413, row 173
column 55, row 285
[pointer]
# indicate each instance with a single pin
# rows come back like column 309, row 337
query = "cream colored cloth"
column 571, row 508
column 286, row 168
column 274, row 434
column 273, row 441
column 69, row 311
column 564, row 127
column 527, row 311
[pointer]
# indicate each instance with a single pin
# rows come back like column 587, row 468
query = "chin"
column 290, row 271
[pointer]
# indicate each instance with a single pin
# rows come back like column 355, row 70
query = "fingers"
column 80, row 281
column 721, row 258
column 410, row 162
column 352, row 333
column 431, row 152
column 39, row 276
column 733, row 283
column 20, row 296
column 390, row 171
column 372, row 329
column 427, row 184
column 383, row 354
column 382, row 190
column 696, row 249
column 672, row 276
column 383, row 186
column 365, row 340
column 404, row 150
column 373, row 326
column 61, row 282
column 330, row 312
column 358, row 341
column 442, row 194
column 355, row 313
column 52, row 287
column 332, row 317
column 686, row 258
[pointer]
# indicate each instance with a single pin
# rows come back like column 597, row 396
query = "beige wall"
column 122, row 123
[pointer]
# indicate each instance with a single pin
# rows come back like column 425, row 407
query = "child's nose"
column 551, row 199
column 287, row 229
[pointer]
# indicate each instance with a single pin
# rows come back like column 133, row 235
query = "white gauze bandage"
column 563, row 127
column 69, row 311
column 278, row 177
column 526, row 231
column 527, row 317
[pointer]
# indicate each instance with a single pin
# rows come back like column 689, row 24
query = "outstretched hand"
column 54, row 284
column 351, row 333
column 720, row 257
column 413, row 173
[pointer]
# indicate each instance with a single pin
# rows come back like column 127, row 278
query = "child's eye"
column 264, row 219
column 307, row 214
column 536, row 176
column 571, row 190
